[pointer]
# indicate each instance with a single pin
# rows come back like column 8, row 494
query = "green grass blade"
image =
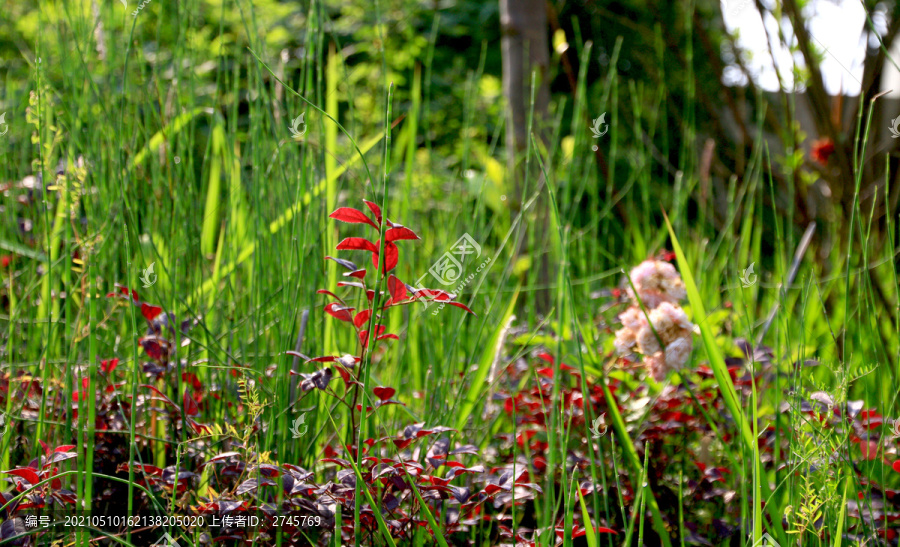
column 163, row 134
column 22, row 250
column 484, row 365
column 586, row 517
column 211, row 212
column 279, row 223
column 720, row 370
column 425, row 509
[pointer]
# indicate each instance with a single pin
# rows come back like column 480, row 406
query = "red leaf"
column 339, row 312
column 331, row 294
column 150, row 312
column 357, row 244
column 605, row 530
column 438, row 481
column 353, row 216
column 190, row 405
column 325, row 359
column 463, row 306
column 362, row 317
column 376, row 210
column 148, row 469
column 388, row 336
column 109, row 365
column 344, row 374
column 547, row 372
column 64, row 448
column 200, row 429
column 402, row 443
column 364, row 335
column 123, row 291
column 45, row 447
column 358, row 274
column 26, row 473
column 160, row 394
column 391, row 257
column 345, row 263
column 397, row 289
column 339, row 461
column 356, row 284
column 155, row 346
column 192, row 379
column 434, row 294
column 85, row 382
column 398, row 233
column 384, row 392
column 896, row 466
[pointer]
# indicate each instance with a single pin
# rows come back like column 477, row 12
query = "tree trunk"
column 526, row 50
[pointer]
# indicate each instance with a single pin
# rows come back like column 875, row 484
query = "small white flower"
column 625, row 340
column 678, row 352
column 663, row 335
column 632, row 318
column 656, row 365
column 656, row 281
column 646, row 340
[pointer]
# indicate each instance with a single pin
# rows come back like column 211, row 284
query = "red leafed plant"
column 368, row 322
column 160, row 339
column 390, row 468
column 28, row 480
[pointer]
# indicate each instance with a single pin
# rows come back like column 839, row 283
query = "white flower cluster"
column 660, row 289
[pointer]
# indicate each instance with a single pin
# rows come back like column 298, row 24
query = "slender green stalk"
column 135, row 380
